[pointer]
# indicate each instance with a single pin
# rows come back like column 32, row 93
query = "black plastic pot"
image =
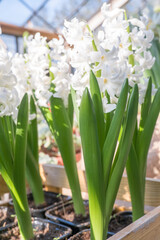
column 9, row 220
column 77, row 224
column 51, row 200
column 57, row 231
column 78, row 235
column 119, row 221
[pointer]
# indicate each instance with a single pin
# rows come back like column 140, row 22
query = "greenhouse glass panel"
column 13, row 12
column 10, row 42
column 56, row 11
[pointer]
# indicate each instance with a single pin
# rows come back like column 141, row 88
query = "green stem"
column 93, row 165
column 34, row 178
column 19, row 166
column 63, row 135
column 131, row 57
column 24, row 219
column 32, row 158
column 136, row 184
column 98, row 73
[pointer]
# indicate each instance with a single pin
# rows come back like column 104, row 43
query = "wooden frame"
column 17, row 31
column 55, row 176
column 145, row 228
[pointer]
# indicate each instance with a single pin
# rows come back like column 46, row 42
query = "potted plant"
column 101, row 64
column 98, row 142
column 13, row 161
column 14, row 146
column 45, row 89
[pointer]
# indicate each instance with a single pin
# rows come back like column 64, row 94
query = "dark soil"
column 47, row 232
column 50, row 198
column 84, row 235
column 67, row 213
column 119, row 221
column 7, row 216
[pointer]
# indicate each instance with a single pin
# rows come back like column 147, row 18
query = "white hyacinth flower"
column 111, row 59
column 8, row 102
column 113, row 54
column 108, row 107
column 9, row 99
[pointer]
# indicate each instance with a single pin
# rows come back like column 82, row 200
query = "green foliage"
column 136, row 164
column 60, row 121
column 93, row 164
column 154, row 71
column 113, row 133
column 104, row 163
column 13, row 145
column 98, row 107
column 32, row 158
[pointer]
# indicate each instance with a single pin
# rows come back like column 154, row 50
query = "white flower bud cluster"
column 9, row 99
column 33, row 69
column 118, row 51
column 114, row 54
column 60, row 68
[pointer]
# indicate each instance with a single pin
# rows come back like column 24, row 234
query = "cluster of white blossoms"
column 9, row 99
column 32, row 69
column 43, row 63
column 120, row 50
column 60, row 68
column 151, row 9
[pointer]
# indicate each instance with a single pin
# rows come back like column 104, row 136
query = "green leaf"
column 145, row 106
column 125, row 144
column 113, row 133
column 32, row 158
column 93, row 166
column 135, row 184
column 155, row 50
column 73, row 94
column 20, row 146
column 9, row 181
column 48, row 117
column 10, row 127
column 63, row 136
column 70, row 109
column 6, row 161
column 24, row 219
column 98, row 107
column 144, row 140
column 6, row 157
column 33, row 177
column 33, row 131
column 108, row 116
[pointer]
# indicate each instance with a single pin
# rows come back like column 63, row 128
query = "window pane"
column 35, row 22
column 34, row 4
column 10, row 42
column 13, row 12
column 56, row 11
